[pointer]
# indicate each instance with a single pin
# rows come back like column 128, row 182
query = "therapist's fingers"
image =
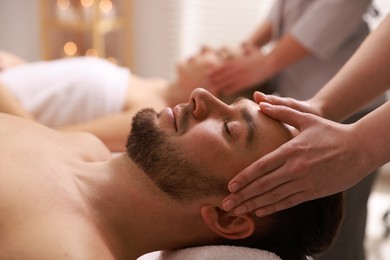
column 234, row 87
column 220, row 71
column 225, row 86
column 221, row 76
column 272, row 161
column 284, row 196
column 285, row 203
column 251, row 196
column 286, row 115
column 302, row 106
column 268, row 163
column 275, row 100
column 264, row 175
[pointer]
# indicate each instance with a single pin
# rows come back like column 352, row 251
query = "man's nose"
column 204, row 103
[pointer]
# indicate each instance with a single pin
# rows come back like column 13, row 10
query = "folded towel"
column 212, row 253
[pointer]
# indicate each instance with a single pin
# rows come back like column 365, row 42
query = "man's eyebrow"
column 251, row 126
column 248, row 118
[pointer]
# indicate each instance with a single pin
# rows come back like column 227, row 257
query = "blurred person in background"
column 92, row 94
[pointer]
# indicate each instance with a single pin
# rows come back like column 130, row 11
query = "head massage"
column 187, row 172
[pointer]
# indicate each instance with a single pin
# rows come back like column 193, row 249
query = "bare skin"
column 10, row 105
column 64, row 197
column 142, row 92
column 255, row 66
column 50, row 203
column 37, row 201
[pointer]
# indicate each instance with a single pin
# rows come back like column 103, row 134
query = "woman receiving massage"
column 91, row 94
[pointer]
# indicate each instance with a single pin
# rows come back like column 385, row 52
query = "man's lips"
column 175, row 112
column 172, row 117
column 167, row 115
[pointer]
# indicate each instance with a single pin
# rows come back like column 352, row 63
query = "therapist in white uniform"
column 312, row 41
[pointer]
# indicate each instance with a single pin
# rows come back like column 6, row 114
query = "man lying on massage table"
column 62, row 196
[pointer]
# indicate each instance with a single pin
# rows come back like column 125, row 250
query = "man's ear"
column 227, row 224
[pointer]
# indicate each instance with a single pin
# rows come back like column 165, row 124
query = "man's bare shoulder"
column 91, row 148
column 24, row 135
column 41, row 208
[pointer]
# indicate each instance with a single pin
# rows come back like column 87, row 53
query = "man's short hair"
column 304, row 230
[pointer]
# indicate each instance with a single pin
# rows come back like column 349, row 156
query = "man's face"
column 203, row 137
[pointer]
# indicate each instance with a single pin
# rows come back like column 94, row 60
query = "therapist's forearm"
column 365, row 76
column 262, row 35
column 373, row 133
column 286, row 52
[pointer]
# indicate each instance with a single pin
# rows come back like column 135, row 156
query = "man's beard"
column 151, row 149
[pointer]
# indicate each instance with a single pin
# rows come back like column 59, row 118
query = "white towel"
column 68, row 91
column 212, row 253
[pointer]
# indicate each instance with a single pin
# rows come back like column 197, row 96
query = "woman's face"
column 193, row 71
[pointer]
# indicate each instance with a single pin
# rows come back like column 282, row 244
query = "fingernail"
column 234, row 187
column 265, row 105
column 240, row 210
column 263, row 97
column 228, row 205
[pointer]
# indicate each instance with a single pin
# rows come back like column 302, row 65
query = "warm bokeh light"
column 86, row 3
column 91, row 52
column 63, row 4
column 105, row 6
column 70, row 48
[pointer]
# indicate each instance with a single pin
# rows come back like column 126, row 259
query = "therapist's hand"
column 239, row 72
column 323, row 159
column 302, row 106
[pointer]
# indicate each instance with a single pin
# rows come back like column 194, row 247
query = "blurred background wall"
column 161, row 31
column 19, row 28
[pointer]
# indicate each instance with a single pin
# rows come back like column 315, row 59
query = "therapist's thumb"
column 285, row 114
